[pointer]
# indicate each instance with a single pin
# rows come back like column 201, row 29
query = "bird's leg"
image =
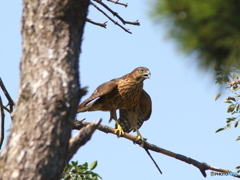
column 139, row 136
column 119, row 131
column 113, row 115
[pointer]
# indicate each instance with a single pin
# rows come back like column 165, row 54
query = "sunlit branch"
column 202, row 166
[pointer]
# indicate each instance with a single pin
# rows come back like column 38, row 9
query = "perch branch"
column 2, row 116
column 115, row 22
column 116, row 14
column 80, row 138
column 96, row 23
column 79, row 124
column 117, row 2
column 200, row 165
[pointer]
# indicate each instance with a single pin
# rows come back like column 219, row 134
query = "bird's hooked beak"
column 147, row 74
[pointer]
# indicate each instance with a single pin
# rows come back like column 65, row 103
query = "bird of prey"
column 126, row 94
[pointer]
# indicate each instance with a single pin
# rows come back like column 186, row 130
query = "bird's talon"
column 141, row 140
column 119, row 131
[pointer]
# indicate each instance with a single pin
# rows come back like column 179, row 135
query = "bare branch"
column 96, row 23
column 117, row 2
column 2, row 108
column 153, row 160
column 133, row 23
column 116, row 14
column 10, row 101
column 201, row 166
column 81, row 138
column 6, row 109
column 2, row 116
column 115, row 22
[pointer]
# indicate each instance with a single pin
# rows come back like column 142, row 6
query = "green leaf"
column 230, row 108
column 236, row 124
column 238, row 138
column 99, row 176
column 67, row 177
column 227, row 101
column 228, row 126
column 237, row 107
column 220, row 129
column 238, row 167
column 93, row 165
column 74, row 171
column 85, row 165
column 230, row 119
column 230, row 98
column 74, row 163
column 217, row 96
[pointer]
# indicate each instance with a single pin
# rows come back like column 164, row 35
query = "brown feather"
column 144, row 113
column 125, row 93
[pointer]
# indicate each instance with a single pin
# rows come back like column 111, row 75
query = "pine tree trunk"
column 49, row 90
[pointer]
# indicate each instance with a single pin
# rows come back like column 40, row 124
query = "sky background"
column 184, row 116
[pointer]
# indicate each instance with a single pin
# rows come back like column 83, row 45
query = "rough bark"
column 49, row 90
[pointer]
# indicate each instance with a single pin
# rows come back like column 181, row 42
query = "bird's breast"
column 127, row 95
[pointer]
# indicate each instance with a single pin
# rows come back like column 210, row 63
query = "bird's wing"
column 145, row 110
column 100, row 91
column 144, row 113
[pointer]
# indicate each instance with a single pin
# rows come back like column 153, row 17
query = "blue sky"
column 184, row 117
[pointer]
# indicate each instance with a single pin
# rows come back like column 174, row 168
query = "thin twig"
column 153, row 160
column 6, row 109
column 116, row 14
column 117, row 2
column 201, row 166
column 2, row 116
column 96, row 23
column 115, row 22
column 10, row 101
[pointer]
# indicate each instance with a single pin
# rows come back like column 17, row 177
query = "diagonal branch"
column 79, row 139
column 117, row 2
column 116, row 14
column 115, row 22
column 200, row 165
column 2, row 108
column 153, row 160
column 10, row 101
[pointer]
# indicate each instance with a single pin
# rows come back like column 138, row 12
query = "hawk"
column 126, row 94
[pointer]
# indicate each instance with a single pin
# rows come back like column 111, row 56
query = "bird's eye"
column 140, row 70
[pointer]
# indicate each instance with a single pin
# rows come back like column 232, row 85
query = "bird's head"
column 141, row 73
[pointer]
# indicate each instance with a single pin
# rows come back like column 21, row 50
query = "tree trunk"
column 49, row 90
